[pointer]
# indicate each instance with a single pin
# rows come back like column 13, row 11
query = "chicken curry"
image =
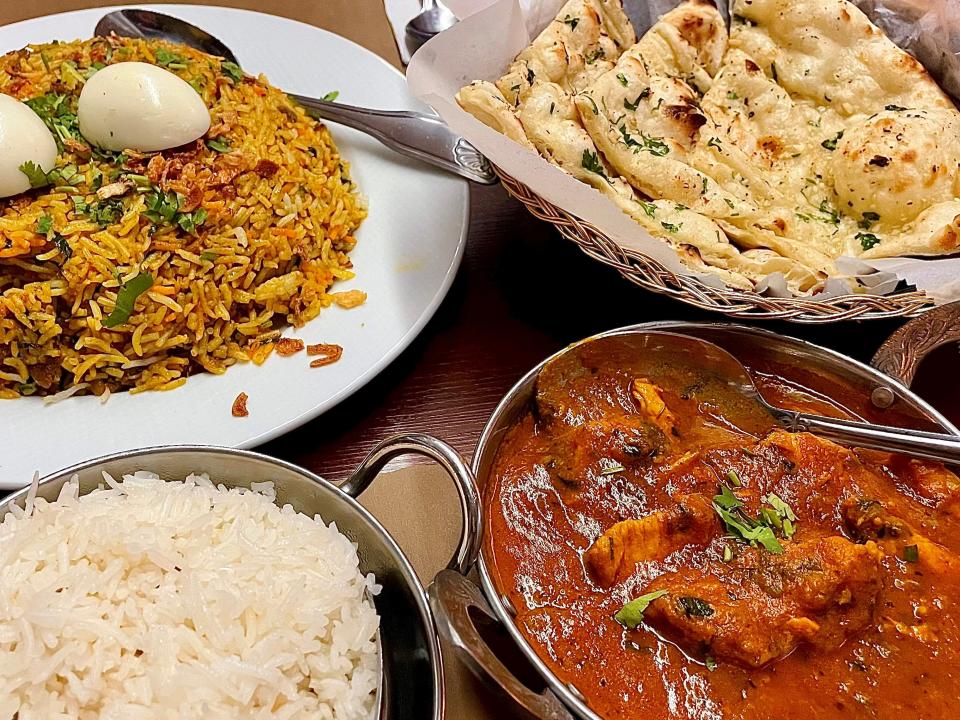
column 672, row 554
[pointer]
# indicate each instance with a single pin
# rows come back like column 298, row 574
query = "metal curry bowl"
column 876, row 396
column 411, row 684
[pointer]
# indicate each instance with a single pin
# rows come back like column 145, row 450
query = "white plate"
column 407, row 254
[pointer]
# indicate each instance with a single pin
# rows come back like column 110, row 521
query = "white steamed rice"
column 149, row 599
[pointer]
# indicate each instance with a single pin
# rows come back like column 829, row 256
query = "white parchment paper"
column 491, row 33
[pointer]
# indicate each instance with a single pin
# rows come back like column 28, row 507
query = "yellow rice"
column 268, row 253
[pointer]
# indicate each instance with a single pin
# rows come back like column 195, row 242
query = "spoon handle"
column 916, row 443
column 420, row 136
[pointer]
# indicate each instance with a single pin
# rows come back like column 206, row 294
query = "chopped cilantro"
column 655, row 146
column 710, row 663
column 867, row 240
column 831, row 143
column 35, row 174
column 231, row 70
column 106, row 212
column 731, row 95
column 695, row 607
column 894, row 108
column 780, row 516
column 54, row 110
column 571, row 21
column 161, row 207
column 832, row 215
column 189, row 222
column 171, row 60
column 671, row 227
column 649, row 208
column 219, row 145
column 127, row 298
column 622, row 78
column 714, row 143
column 592, row 163
column 331, row 96
column 631, row 614
column 773, row 72
column 44, row 223
column 740, row 525
column 632, row 106
column 593, row 104
column 868, row 219
column 208, row 256
column 594, row 56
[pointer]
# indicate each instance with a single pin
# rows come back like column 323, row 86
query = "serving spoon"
column 662, row 349
column 414, row 134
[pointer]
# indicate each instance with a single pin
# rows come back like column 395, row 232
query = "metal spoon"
column 433, row 19
column 424, row 137
column 652, row 350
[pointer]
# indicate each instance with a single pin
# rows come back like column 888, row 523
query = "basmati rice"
column 148, row 599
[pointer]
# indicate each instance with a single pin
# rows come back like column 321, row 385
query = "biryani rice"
column 281, row 213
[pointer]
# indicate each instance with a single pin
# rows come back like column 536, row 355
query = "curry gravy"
column 856, row 618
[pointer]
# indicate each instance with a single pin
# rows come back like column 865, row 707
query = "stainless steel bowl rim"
column 567, row 694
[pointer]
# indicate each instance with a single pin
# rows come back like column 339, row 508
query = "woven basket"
column 650, row 274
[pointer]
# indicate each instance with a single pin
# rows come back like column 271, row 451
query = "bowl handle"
column 901, row 355
column 452, row 596
column 450, row 460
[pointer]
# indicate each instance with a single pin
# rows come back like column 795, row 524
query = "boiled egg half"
column 23, row 139
column 141, row 107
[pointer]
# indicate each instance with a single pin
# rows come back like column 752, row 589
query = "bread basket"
column 651, row 275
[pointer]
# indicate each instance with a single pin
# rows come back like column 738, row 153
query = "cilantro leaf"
column 631, row 614
column 127, row 298
column 231, row 70
column 331, row 96
column 649, row 208
column 219, row 146
column 867, row 240
column 868, row 219
column 831, row 143
column 591, row 162
column 740, row 525
column 44, row 223
column 35, row 174
column 695, row 607
column 55, row 111
column 169, row 59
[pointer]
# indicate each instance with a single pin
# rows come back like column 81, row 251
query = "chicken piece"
column 615, row 554
column 870, row 520
column 650, row 404
column 760, row 608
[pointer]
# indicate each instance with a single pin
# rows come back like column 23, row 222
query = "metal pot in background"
column 411, row 686
column 879, row 394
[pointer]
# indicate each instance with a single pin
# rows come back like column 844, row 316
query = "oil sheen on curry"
column 673, row 555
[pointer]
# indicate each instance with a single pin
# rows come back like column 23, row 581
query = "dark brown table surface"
column 522, row 293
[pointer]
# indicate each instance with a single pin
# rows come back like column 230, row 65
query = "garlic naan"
column 802, row 136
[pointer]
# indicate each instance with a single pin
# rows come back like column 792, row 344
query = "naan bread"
column 804, row 136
